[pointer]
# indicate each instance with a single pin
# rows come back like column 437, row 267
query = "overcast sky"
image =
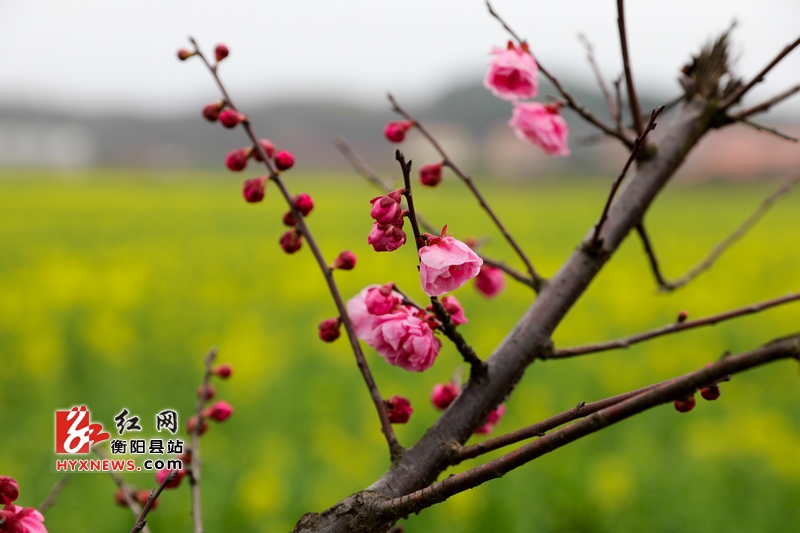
column 120, row 54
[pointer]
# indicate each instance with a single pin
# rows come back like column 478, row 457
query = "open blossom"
column 387, row 237
column 361, row 317
column 454, row 309
column 490, row 281
column 17, row 519
column 446, row 264
column 399, row 409
column 443, row 395
column 513, row 74
column 492, row 420
column 541, row 125
column 405, row 340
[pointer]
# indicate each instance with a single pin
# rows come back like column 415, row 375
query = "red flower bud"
column 142, row 496
column 430, row 174
column 345, row 260
column 223, row 371
column 682, row 316
column 284, row 160
column 303, row 203
column 289, row 220
column 221, row 52
column 291, row 241
column 386, row 209
column 212, row 110
column 399, row 409
column 268, row 147
column 710, row 393
column 329, row 329
column 684, row 405
column 119, row 498
column 396, row 131
column 191, row 424
column 236, row 160
column 184, row 54
column 161, row 475
column 253, row 189
column 490, row 281
column 206, row 392
column 230, row 118
column 443, row 395
column 9, row 490
column 220, row 411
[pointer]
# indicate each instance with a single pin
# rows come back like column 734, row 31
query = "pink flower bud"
column 513, row 74
column 345, row 260
column 142, row 496
column 396, row 131
column 387, row 237
column 161, row 475
column 253, row 189
column 184, row 54
column 206, row 392
column 541, row 125
column 268, row 148
column 221, row 52
column 289, row 220
column 9, row 489
column 291, row 241
column 191, row 424
column 430, row 174
column 284, row 160
column 399, row 409
column 386, row 209
column 710, row 393
column 490, row 281
column 230, row 118
column 682, row 316
column 222, row 371
column 220, row 411
column 492, row 420
column 684, row 405
column 454, row 309
column 443, row 395
column 446, row 264
column 381, row 300
column 119, row 498
column 236, row 160
column 329, row 329
column 303, row 203
column 212, row 110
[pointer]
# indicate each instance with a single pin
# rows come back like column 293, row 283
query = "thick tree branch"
column 141, row 521
column 718, row 250
column 764, row 106
column 673, row 328
column 633, row 99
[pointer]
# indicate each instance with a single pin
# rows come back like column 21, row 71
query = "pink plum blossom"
column 454, row 309
column 16, row 519
column 513, row 74
column 446, row 264
column 382, row 300
column 541, row 125
column 404, row 340
column 387, row 237
column 443, row 395
column 490, row 281
column 399, row 409
column 386, row 209
column 362, row 319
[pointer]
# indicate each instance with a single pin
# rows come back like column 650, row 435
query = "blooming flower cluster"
column 15, row 519
column 446, row 264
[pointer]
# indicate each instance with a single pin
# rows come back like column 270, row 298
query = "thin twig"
column 767, row 129
column 673, row 328
column 637, row 146
column 154, row 494
column 569, row 100
column 50, row 500
column 194, row 468
column 395, row 449
column 601, row 81
column 127, row 493
column 720, row 248
column 618, row 93
column 785, row 348
column 633, row 99
column 537, row 280
column 737, row 95
column 764, row 106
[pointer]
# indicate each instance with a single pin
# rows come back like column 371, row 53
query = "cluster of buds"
column 13, row 518
column 387, row 233
column 292, row 240
column 219, row 411
column 399, row 409
column 709, row 392
column 236, row 161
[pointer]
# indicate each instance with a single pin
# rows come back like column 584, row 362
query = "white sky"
column 120, row 54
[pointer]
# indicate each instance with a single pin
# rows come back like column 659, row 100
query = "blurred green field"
column 113, row 285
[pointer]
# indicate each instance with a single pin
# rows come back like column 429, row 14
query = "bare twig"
column 618, row 94
column 764, row 106
column 718, row 250
column 395, row 449
column 612, row 108
column 767, row 129
column 50, row 500
column 127, row 493
column 154, row 494
column 633, row 99
column 785, row 348
column 673, row 328
column 194, row 468
column 637, row 146
column 537, row 280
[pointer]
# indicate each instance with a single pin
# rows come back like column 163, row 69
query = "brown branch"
column 673, row 328
column 50, row 500
column 395, row 449
column 127, row 493
column 569, row 100
column 618, row 94
column 633, row 99
column 612, row 109
column 718, row 250
column 764, row 106
column 194, row 466
column 785, row 348
column 637, row 146
column 154, row 494
column 767, row 129
column 737, row 95
column 537, row 280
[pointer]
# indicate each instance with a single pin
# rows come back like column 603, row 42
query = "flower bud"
column 221, row 52
column 303, row 203
column 684, row 405
column 222, row 371
column 9, row 489
column 284, row 160
column 230, row 118
column 236, row 160
column 161, row 475
column 253, row 189
column 490, row 281
column 710, row 393
column 142, row 496
column 206, row 392
column 454, row 309
column 396, row 131
column 191, row 424
column 443, row 395
column 119, row 498
column 212, row 110
column 682, row 316
column 184, row 54
column 291, row 241
column 289, row 220
column 430, row 174
column 399, row 409
column 380, row 300
column 329, row 329
column 345, row 260
column 268, row 148
column 492, row 420
column 220, row 411
column 387, row 237
column 386, row 209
